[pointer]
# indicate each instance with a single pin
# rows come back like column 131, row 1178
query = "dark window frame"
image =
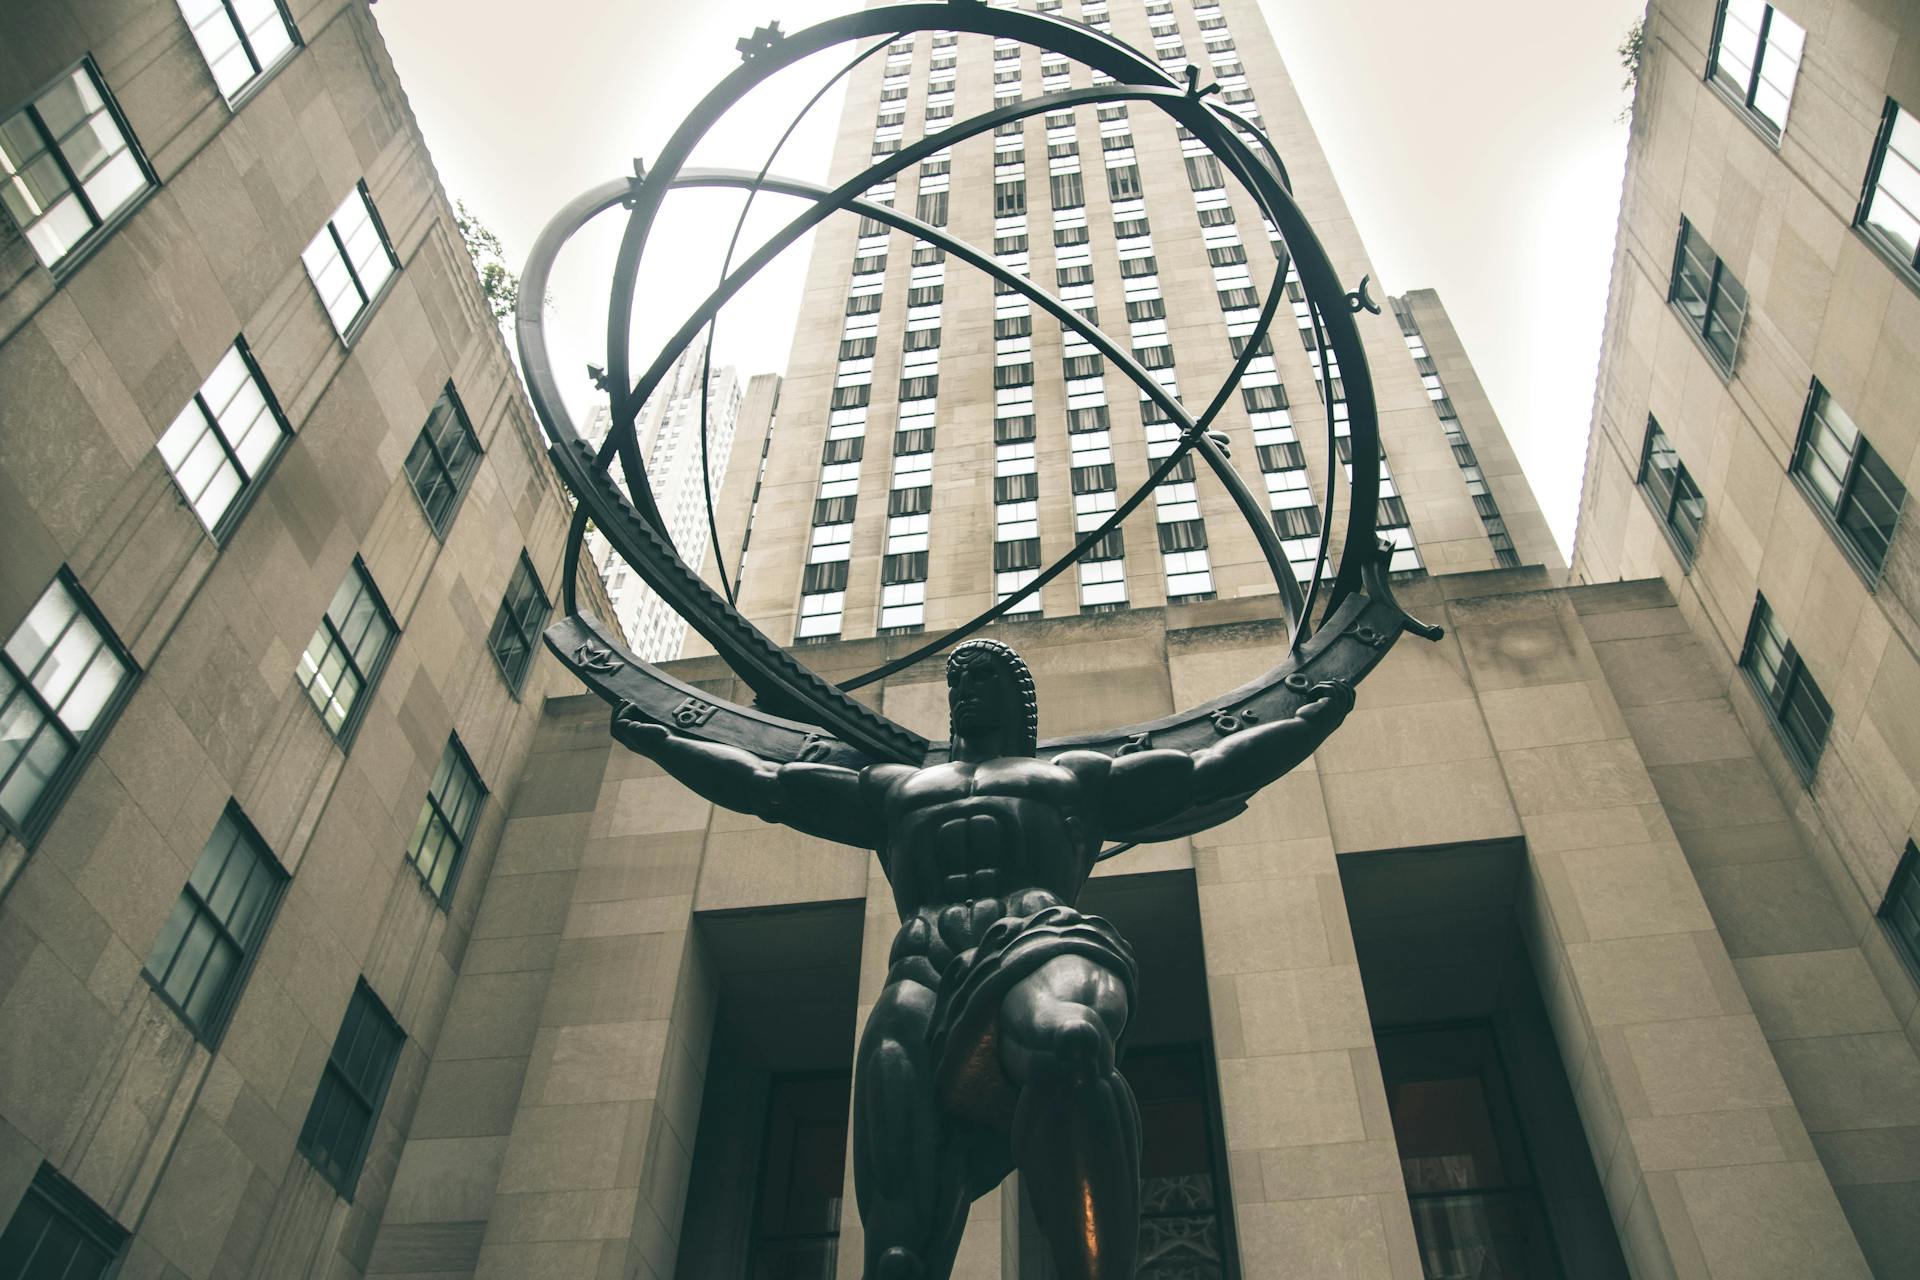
column 33, row 824
column 344, row 1175
column 369, row 302
column 103, row 228
column 1791, row 678
column 1905, row 264
column 1664, row 498
column 1717, row 277
column 370, row 676
column 433, row 809
column 250, row 483
column 1859, row 468
column 262, row 72
column 435, row 454
column 211, row 1030
column 1741, row 98
column 527, row 631
column 1899, row 912
column 52, row 1195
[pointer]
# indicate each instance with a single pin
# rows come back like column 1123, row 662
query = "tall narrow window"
column 1707, row 294
column 69, row 165
column 1756, row 59
column 796, row 1226
column 347, row 653
column 221, row 444
column 1850, row 484
column 446, row 821
column 1676, row 498
column 516, row 628
column 242, row 40
column 350, row 261
column 1476, row 1210
column 353, row 1085
column 1799, row 711
column 58, row 1232
column 1900, row 911
column 1889, row 213
column 201, row 958
column 442, row 460
column 62, row 676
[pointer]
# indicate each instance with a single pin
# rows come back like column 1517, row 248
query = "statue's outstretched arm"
column 1246, row 761
column 1146, row 788
column 820, row 799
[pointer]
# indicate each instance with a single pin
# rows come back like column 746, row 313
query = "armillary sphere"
column 797, row 715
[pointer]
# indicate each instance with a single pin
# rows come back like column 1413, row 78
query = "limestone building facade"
column 277, row 539
column 1752, row 445
column 1545, row 962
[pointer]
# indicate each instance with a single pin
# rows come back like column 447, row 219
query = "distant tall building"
column 879, row 511
column 668, row 428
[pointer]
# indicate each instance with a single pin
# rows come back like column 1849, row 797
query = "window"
column 820, row 615
column 62, row 678
column 446, row 821
column 1462, row 1151
column 1706, row 293
column 516, row 628
column 1890, row 209
column 1756, row 58
column 1676, row 498
column 442, row 460
column 1849, row 482
column 796, row 1224
column 69, row 165
column 57, row 1231
column 350, row 261
column 339, row 1125
column 348, row 650
column 1900, row 912
column 241, row 40
column 1793, row 701
column 1066, row 190
column 200, row 961
column 222, row 442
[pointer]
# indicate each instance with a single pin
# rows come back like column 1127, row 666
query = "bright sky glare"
column 1476, row 144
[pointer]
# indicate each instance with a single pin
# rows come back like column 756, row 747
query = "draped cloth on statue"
column 964, row 1032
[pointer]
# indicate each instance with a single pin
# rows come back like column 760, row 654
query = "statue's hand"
column 1334, row 702
column 637, row 733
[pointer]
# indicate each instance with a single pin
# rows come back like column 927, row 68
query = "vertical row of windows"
column 1484, row 504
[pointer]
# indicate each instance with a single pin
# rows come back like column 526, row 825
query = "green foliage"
column 1631, row 50
column 501, row 286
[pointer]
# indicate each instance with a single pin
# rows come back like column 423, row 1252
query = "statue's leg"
column 908, row 1171
column 1076, row 1130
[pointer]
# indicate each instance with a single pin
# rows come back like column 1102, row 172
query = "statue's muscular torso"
column 968, row 843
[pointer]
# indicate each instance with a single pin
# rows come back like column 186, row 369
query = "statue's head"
column 990, row 690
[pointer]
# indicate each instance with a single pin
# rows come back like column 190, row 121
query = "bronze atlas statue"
column 996, row 1040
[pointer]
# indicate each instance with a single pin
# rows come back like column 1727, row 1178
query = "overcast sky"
column 1475, row 141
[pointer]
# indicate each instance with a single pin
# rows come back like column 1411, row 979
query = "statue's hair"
column 1014, row 667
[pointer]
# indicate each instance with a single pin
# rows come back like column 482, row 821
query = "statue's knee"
column 1074, row 1047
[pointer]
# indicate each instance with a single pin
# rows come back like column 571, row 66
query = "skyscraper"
column 877, row 497
column 669, row 432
